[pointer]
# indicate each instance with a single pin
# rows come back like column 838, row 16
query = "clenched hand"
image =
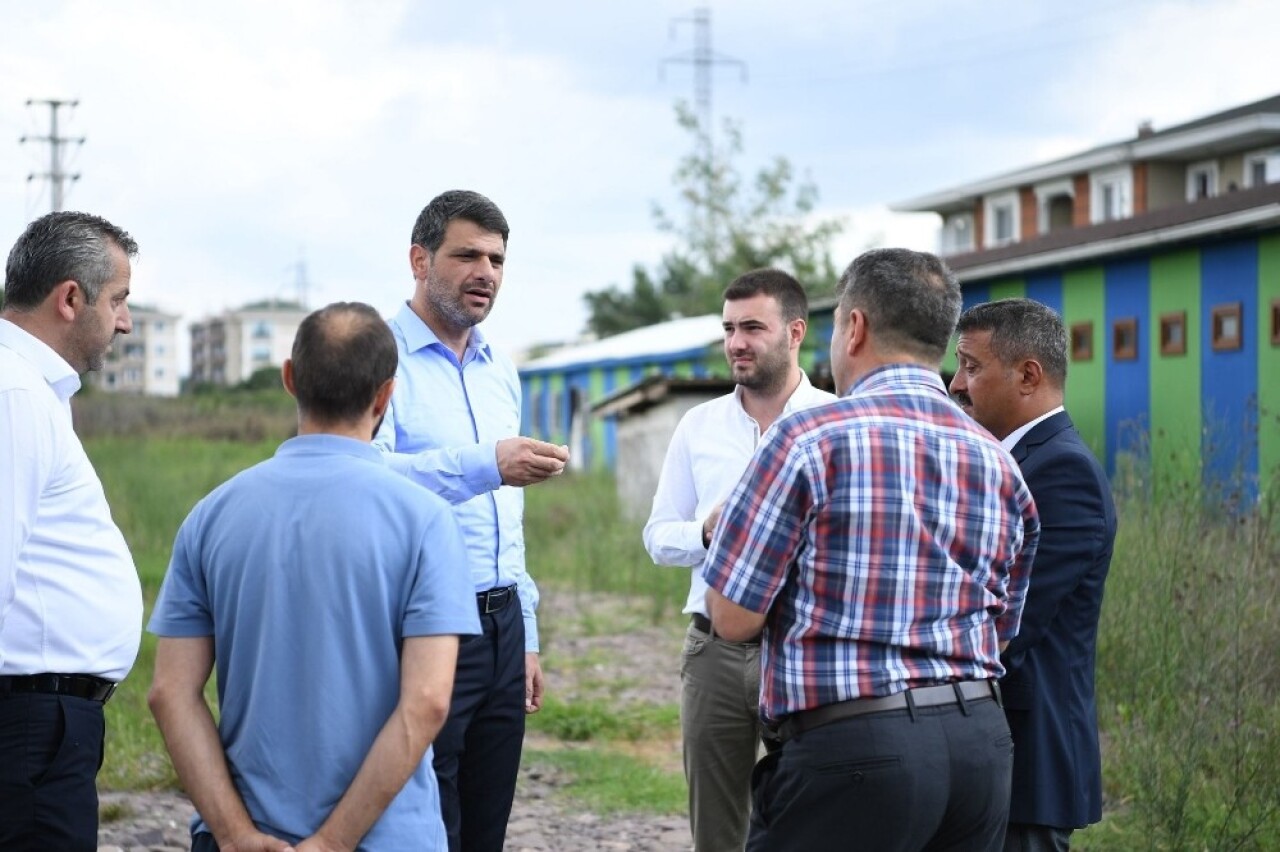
column 525, row 461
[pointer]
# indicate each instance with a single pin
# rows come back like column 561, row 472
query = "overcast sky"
column 236, row 139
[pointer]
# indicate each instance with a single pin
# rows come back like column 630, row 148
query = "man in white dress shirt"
column 765, row 317
column 70, row 600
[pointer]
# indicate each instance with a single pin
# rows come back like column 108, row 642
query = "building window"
column 1202, row 180
column 1275, row 322
column 1124, row 339
column 1262, row 167
column 1227, row 327
column 1111, row 195
column 1055, row 202
column 261, row 354
column 261, row 330
column 158, row 325
column 1082, row 341
column 1173, row 333
column 1001, row 217
column 957, row 233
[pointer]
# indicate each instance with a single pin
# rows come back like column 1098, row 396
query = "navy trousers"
column 477, row 752
column 50, row 753
column 934, row 779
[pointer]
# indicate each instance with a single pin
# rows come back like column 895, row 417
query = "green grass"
column 576, row 538
column 608, row 782
column 151, row 485
column 1188, row 674
column 1188, row 669
column 596, row 719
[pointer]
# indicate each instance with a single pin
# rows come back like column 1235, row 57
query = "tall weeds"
column 1189, row 668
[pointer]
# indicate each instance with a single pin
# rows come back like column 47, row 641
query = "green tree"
column 733, row 226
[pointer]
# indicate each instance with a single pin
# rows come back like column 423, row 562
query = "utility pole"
column 703, row 59
column 56, row 176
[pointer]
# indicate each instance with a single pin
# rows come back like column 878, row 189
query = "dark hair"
column 342, row 354
column 774, row 283
column 1020, row 329
column 910, row 298
column 434, row 219
column 59, row 247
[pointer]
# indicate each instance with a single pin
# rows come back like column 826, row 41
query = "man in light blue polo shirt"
column 326, row 589
column 453, row 427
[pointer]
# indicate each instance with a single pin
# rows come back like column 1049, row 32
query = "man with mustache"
column 765, row 318
column 1011, row 377
column 70, row 600
column 453, row 427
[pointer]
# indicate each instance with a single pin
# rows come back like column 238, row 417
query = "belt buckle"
column 495, row 599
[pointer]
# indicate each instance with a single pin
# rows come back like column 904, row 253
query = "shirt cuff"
column 530, row 634
column 480, row 466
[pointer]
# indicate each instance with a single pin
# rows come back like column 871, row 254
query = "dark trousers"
column 477, row 752
column 1036, row 838
column 50, row 753
column 899, row 781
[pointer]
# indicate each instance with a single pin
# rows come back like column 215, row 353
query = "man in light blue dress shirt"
column 453, row 427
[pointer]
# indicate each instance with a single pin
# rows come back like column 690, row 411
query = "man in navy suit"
column 1011, row 376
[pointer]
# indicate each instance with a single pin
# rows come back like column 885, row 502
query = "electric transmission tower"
column 56, row 176
column 704, row 59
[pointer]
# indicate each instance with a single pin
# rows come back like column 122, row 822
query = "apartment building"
column 229, row 348
column 1162, row 254
column 144, row 361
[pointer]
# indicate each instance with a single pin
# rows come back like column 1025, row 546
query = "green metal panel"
column 1084, row 301
column 556, row 407
column 1009, row 288
column 1176, row 417
column 1268, row 367
column 533, row 402
column 595, row 390
column 682, row 369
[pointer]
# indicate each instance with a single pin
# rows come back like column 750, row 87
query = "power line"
column 704, row 59
column 56, row 176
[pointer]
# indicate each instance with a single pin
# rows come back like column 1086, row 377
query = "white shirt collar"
column 1011, row 440
column 60, row 375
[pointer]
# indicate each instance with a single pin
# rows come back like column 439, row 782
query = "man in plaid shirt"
column 884, row 545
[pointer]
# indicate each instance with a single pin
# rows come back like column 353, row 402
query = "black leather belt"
column 921, row 696
column 495, row 599
column 75, row 685
column 701, row 622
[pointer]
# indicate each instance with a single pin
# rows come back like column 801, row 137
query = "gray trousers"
column 720, row 723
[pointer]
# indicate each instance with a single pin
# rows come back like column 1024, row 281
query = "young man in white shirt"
column 70, row 600
column 765, row 319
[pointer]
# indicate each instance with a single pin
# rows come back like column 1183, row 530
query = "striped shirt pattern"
column 889, row 538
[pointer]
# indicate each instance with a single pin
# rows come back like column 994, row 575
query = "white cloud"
column 234, row 138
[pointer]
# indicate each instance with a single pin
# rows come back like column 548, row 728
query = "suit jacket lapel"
column 1040, row 434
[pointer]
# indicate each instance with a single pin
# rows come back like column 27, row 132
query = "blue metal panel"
column 1128, row 383
column 974, row 294
column 1229, row 378
column 610, row 423
column 1046, row 288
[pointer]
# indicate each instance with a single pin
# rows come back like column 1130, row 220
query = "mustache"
column 962, row 399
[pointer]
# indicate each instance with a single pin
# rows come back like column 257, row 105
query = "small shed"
column 645, row 417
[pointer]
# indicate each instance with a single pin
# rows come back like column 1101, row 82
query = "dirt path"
column 595, row 645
